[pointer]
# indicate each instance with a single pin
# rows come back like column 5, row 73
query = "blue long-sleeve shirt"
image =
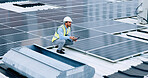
column 60, row 31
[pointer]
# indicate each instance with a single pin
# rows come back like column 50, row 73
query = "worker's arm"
column 61, row 34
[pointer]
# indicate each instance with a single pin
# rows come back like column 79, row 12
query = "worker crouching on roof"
column 63, row 35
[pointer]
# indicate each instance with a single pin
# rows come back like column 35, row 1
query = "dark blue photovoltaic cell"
column 14, row 19
column 45, row 32
column 8, row 31
column 26, row 22
column 117, row 28
column 103, row 23
column 76, row 28
column 19, row 37
column 87, row 44
column 2, row 26
column 87, row 33
column 39, row 41
column 7, row 47
column 4, row 41
column 121, row 50
column 38, row 26
column 110, row 39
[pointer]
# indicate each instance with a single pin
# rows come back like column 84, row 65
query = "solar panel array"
column 92, row 22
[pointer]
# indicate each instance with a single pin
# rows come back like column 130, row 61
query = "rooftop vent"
column 26, row 6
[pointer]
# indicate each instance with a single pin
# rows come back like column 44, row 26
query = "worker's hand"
column 73, row 38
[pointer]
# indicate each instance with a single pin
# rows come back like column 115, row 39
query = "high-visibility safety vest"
column 56, row 35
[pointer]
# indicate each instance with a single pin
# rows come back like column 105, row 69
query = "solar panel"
column 19, row 37
column 121, row 50
column 8, row 31
column 3, row 27
column 117, row 28
column 26, row 22
column 38, row 26
column 99, row 23
column 3, row 41
column 87, row 33
column 97, row 42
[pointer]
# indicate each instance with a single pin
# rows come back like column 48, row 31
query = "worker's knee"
column 69, row 42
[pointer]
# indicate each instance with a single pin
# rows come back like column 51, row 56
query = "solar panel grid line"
column 42, row 33
column 105, row 26
column 92, row 28
column 11, row 17
column 18, row 21
column 116, row 51
column 4, row 41
column 48, row 37
column 27, row 20
column 88, row 33
column 55, row 17
column 113, row 54
column 117, row 24
column 130, row 56
column 7, row 11
column 100, row 31
column 37, row 24
column 37, row 13
column 111, row 60
column 91, row 37
column 5, row 31
column 27, row 32
column 46, row 18
column 15, row 20
column 30, row 24
column 42, row 29
column 109, row 39
column 5, row 48
column 38, row 29
column 3, row 26
column 79, row 9
column 80, row 30
column 18, row 41
column 109, row 45
column 11, row 14
column 36, row 41
column 118, row 31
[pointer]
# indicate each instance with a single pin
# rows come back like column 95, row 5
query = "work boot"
column 57, row 47
column 63, row 49
column 60, row 51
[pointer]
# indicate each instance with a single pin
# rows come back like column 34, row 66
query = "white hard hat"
column 67, row 18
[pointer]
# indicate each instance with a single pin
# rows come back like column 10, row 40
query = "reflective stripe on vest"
column 56, row 35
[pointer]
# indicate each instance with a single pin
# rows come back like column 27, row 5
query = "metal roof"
column 89, row 16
